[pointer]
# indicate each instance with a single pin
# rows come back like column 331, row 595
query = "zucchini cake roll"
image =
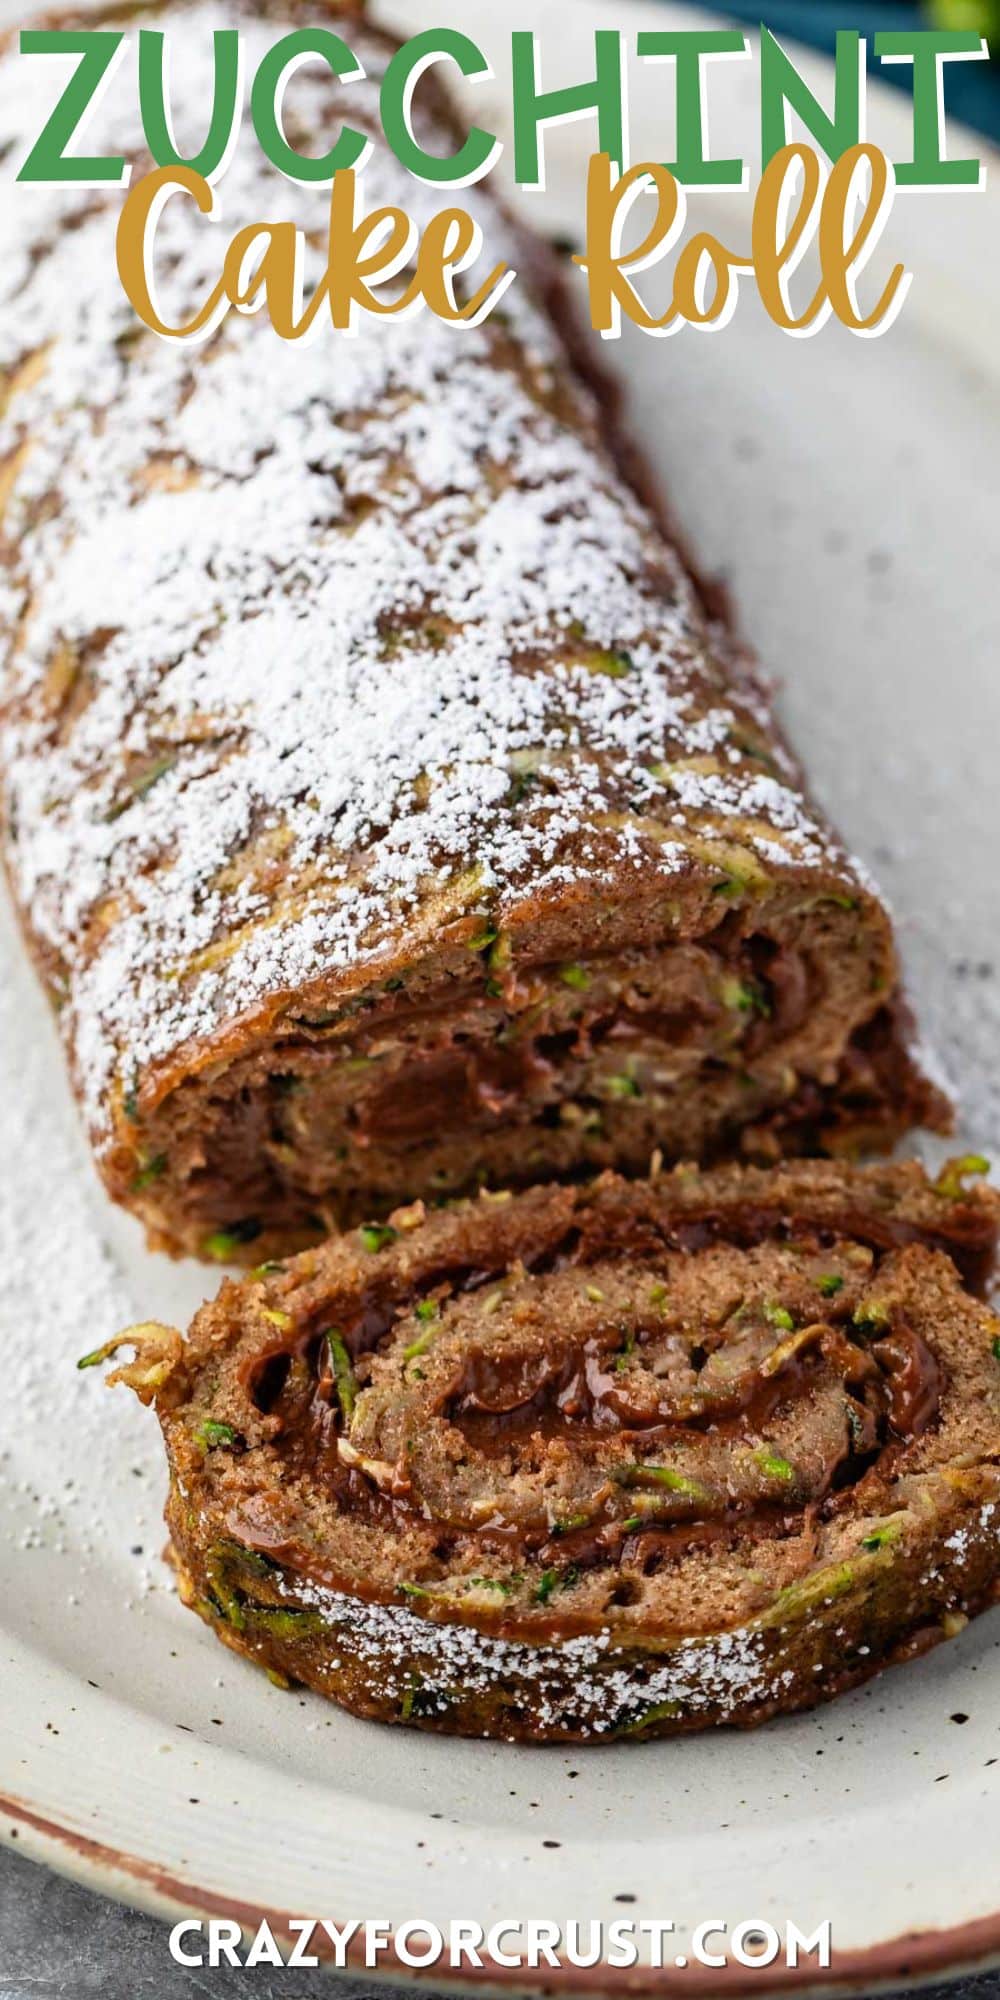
column 583, row 1463
column 387, row 813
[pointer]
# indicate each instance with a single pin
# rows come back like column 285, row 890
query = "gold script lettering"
column 785, row 222
column 262, row 265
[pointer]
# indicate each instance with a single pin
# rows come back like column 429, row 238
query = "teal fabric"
column 972, row 89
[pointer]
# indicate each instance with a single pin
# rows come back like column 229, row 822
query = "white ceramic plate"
column 851, row 491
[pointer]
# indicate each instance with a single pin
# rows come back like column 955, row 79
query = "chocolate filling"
column 695, row 1050
column 846, row 1388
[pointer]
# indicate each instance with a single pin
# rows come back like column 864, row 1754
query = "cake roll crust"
column 597, row 1462
column 386, row 811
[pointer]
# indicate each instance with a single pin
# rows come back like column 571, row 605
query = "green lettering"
column 930, row 166
column 269, row 89
column 98, row 50
column 403, row 74
column 226, row 102
column 781, row 85
column 686, row 48
column 534, row 108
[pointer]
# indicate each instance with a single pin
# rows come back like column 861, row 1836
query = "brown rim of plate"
column 917, row 1956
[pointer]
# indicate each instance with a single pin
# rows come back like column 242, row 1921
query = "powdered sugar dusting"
column 75, row 1487
column 584, row 1681
column 285, row 623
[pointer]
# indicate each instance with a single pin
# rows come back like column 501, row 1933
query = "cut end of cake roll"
column 394, row 815
column 546, row 1037
column 598, row 1463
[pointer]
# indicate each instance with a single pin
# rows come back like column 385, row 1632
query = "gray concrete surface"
column 60, row 1942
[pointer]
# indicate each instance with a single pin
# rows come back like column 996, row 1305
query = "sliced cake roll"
column 579, row 1464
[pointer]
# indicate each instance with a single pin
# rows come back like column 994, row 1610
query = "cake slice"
column 608, row 1462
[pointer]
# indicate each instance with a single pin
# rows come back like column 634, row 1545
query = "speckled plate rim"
column 56, row 1835
column 914, row 1960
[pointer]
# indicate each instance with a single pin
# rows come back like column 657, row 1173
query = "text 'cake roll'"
column 384, row 809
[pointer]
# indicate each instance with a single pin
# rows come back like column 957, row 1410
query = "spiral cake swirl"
column 620, row 1460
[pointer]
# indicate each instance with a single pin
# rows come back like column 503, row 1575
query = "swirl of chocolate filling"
column 616, row 1460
